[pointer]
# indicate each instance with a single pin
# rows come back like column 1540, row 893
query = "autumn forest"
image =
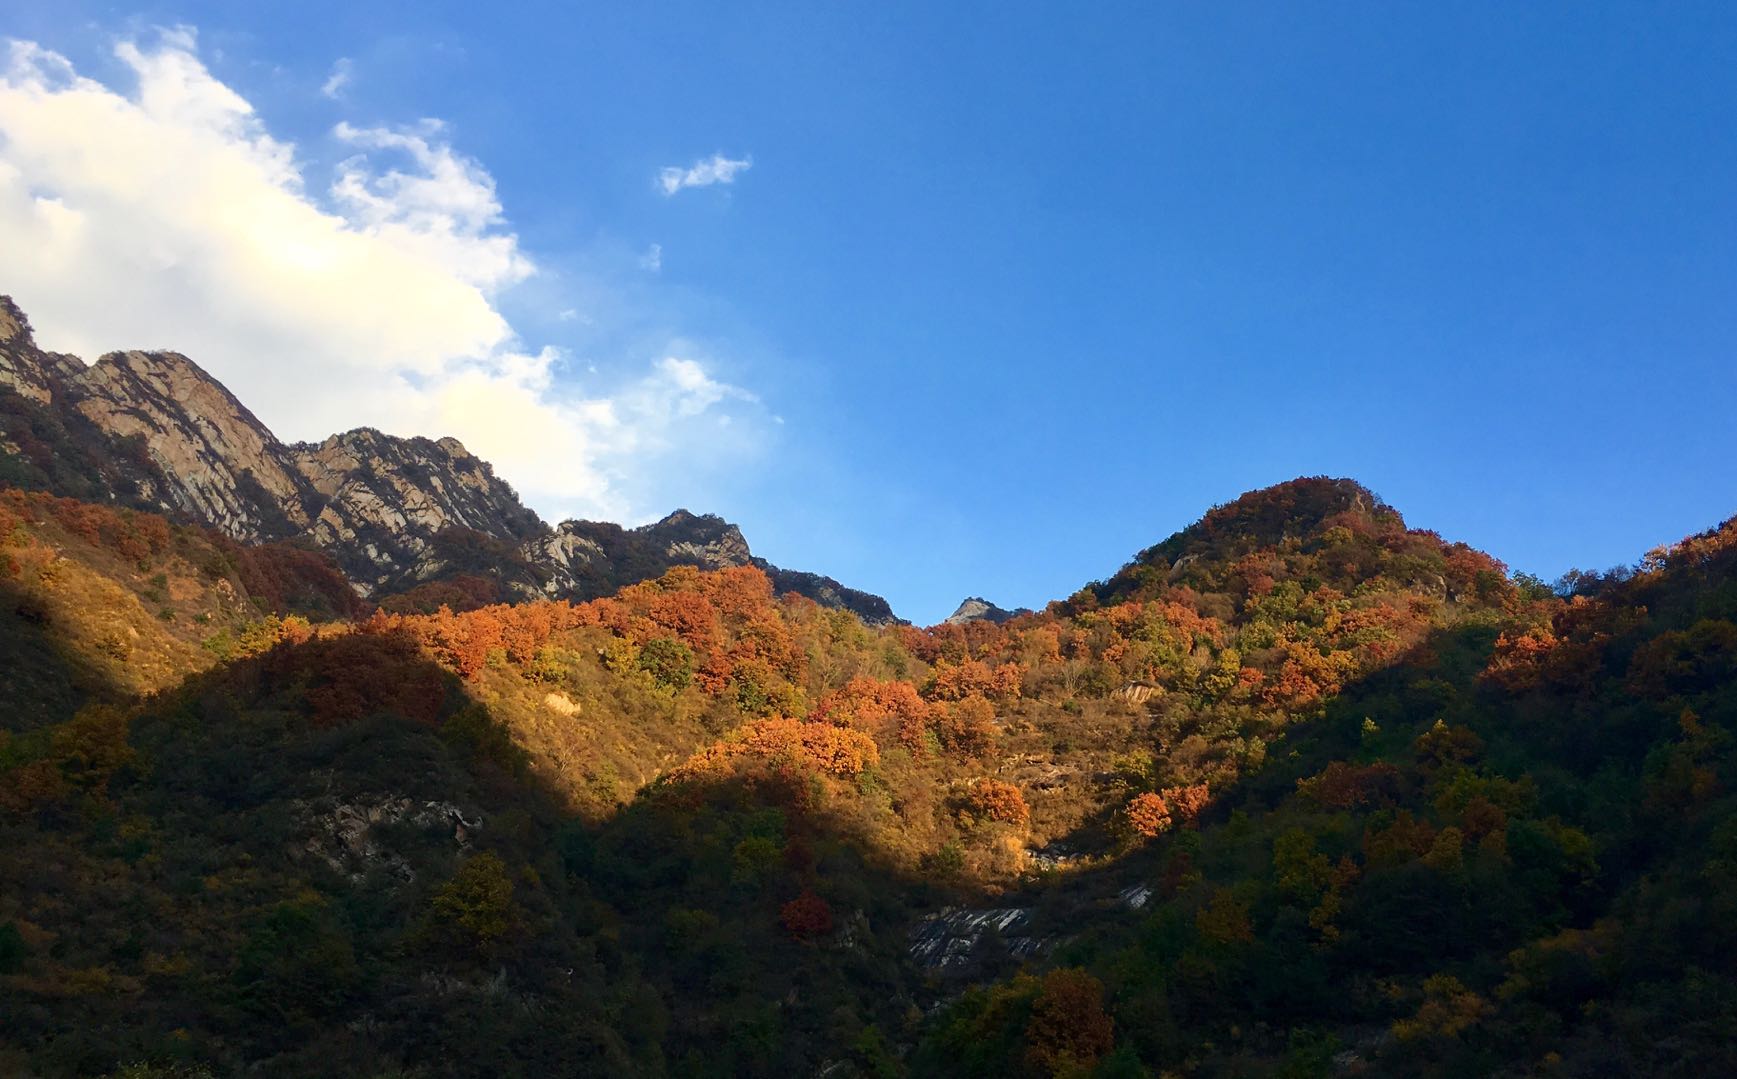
column 1298, row 791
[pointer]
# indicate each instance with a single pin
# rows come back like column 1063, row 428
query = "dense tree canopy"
column 1298, row 791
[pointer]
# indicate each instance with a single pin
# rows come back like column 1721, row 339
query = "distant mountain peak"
column 978, row 609
column 587, row 558
column 1291, row 510
column 684, row 518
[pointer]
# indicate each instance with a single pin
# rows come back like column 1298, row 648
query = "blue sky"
column 1009, row 292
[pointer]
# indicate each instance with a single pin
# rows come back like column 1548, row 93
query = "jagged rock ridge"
column 978, row 609
column 373, row 501
column 154, row 430
column 587, row 558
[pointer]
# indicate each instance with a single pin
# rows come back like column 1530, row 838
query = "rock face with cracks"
column 948, row 939
column 348, row 835
column 155, row 431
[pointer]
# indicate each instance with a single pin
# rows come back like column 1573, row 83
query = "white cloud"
column 687, row 390
column 716, row 169
column 339, row 80
column 168, row 216
column 444, row 210
column 652, row 260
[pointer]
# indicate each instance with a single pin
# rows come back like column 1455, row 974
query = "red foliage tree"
column 806, row 917
column 1342, row 785
column 287, row 578
column 1068, row 1030
column 353, row 676
column 460, row 592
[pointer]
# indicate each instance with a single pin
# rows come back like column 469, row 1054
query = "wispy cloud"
column 716, row 169
column 166, row 214
column 652, row 260
column 339, row 80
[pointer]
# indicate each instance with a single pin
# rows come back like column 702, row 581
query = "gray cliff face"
column 593, row 558
column 383, row 501
column 221, row 465
column 153, row 430
column 978, row 609
column 374, row 501
column 596, row 557
column 27, row 369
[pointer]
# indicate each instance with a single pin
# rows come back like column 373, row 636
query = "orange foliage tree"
column 1151, row 814
column 956, row 681
column 1148, row 814
column 887, row 711
column 991, row 799
column 822, row 747
column 1187, row 802
column 1518, row 661
column 967, row 727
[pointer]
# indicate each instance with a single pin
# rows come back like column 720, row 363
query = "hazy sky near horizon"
column 935, row 299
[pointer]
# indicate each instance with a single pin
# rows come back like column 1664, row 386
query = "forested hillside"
column 1298, row 791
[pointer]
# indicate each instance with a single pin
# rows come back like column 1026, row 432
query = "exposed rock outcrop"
column 978, row 609
column 949, row 938
column 872, row 609
column 348, row 835
column 27, row 369
column 222, row 466
column 374, row 501
column 154, row 430
column 586, row 558
column 384, row 501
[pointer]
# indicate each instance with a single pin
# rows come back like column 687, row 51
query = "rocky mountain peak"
column 374, row 500
column 872, row 609
column 13, row 325
column 385, row 499
column 28, row 370
column 1294, row 510
column 393, row 512
column 593, row 558
column 685, row 525
column 220, row 463
column 978, row 609
column 168, row 385
column 704, row 540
